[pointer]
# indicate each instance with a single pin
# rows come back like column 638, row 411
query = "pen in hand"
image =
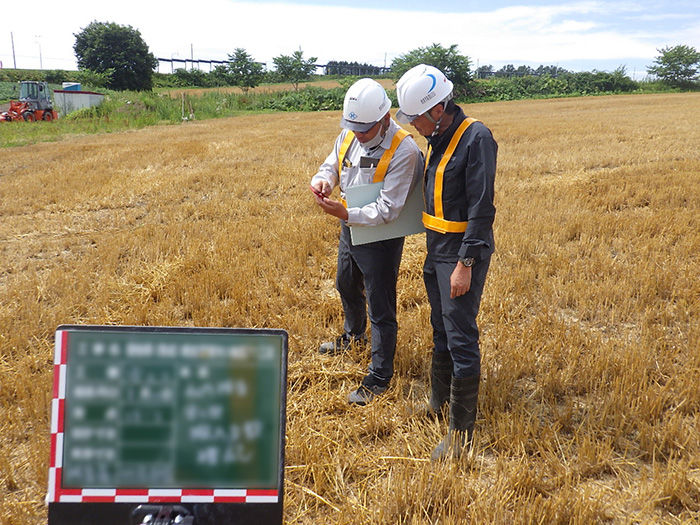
column 318, row 194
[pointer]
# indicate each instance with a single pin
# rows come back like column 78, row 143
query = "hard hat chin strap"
column 377, row 139
column 436, row 122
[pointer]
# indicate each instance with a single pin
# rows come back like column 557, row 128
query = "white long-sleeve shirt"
column 403, row 174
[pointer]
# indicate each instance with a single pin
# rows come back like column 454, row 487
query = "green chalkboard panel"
column 168, row 408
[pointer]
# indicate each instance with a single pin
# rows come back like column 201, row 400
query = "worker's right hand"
column 460, row 280
column 321, row 187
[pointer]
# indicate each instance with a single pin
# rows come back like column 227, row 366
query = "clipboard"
column 409, row 221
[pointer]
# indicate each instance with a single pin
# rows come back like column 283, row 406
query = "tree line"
column 116, row 57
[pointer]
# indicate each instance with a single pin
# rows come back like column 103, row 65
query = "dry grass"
column 590, row 406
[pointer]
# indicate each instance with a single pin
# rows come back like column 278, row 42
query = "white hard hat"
column 365, row 104
column 419, row 89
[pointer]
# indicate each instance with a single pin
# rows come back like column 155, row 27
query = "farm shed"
column 70, row 100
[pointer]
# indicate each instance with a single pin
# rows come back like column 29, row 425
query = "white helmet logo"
column 429, row 95
column 434, row 82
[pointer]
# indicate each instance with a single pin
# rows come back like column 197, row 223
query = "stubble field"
column 590, row 405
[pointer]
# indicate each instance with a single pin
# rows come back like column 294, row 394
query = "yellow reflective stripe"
column 344, row 149
column 438, row 222
column 383, row 165
column 442, row 225
column 425, row 180
column 440, row 173
column 349, row 137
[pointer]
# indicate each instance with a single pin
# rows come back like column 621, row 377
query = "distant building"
column 69, row 99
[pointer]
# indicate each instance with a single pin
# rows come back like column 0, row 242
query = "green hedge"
column 131, row 109
column 309, row 98
column 8, row 91
column 316, row 99
column 568, row 84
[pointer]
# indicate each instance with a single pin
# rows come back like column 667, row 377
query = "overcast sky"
column 576, row 35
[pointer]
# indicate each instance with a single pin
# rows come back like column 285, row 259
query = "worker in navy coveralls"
column 460, row 167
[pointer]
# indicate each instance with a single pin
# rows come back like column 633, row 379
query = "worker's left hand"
column 332, row 207
column 460, row 280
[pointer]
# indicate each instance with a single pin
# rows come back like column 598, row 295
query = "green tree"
column 506, row 71
column 446, row 59
column 191, row 78
column 221, row 76
column 552, row 71
column 677, row 65
column 484, row 71
column 87, row 77
column 294, row 68
column 244, row 72
column 524, row 71
column 104, row 46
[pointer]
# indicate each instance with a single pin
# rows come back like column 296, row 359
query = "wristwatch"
column 468, row 261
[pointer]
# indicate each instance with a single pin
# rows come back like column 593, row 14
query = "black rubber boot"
column 440, row 381
column 464, row 396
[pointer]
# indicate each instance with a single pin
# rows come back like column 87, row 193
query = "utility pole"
column 38, row 41
column 14, row 60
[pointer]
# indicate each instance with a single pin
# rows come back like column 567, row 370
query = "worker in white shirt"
column 371, row 148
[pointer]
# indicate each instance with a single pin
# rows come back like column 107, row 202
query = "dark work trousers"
column 371, row 269
column 454, row 320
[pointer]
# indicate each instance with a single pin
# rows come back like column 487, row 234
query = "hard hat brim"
column 403, row 118
column 362, row 127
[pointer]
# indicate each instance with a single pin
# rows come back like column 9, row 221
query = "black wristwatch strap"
column 468, row 261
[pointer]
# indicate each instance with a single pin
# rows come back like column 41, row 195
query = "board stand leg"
column 161, row 515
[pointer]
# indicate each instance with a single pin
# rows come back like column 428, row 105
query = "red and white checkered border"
column 58, row 494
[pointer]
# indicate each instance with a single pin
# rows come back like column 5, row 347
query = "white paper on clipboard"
column 409, row 221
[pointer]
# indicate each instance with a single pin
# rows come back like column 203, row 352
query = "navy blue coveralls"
column 467, row 195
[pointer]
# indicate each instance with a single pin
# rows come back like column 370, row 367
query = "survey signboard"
column 167, row 420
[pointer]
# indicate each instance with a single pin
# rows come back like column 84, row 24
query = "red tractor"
column 34, row 103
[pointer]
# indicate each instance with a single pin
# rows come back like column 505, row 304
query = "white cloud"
column 213, row 28
column 572, row 26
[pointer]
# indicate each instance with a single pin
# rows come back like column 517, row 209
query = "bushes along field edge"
column 128, row 109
